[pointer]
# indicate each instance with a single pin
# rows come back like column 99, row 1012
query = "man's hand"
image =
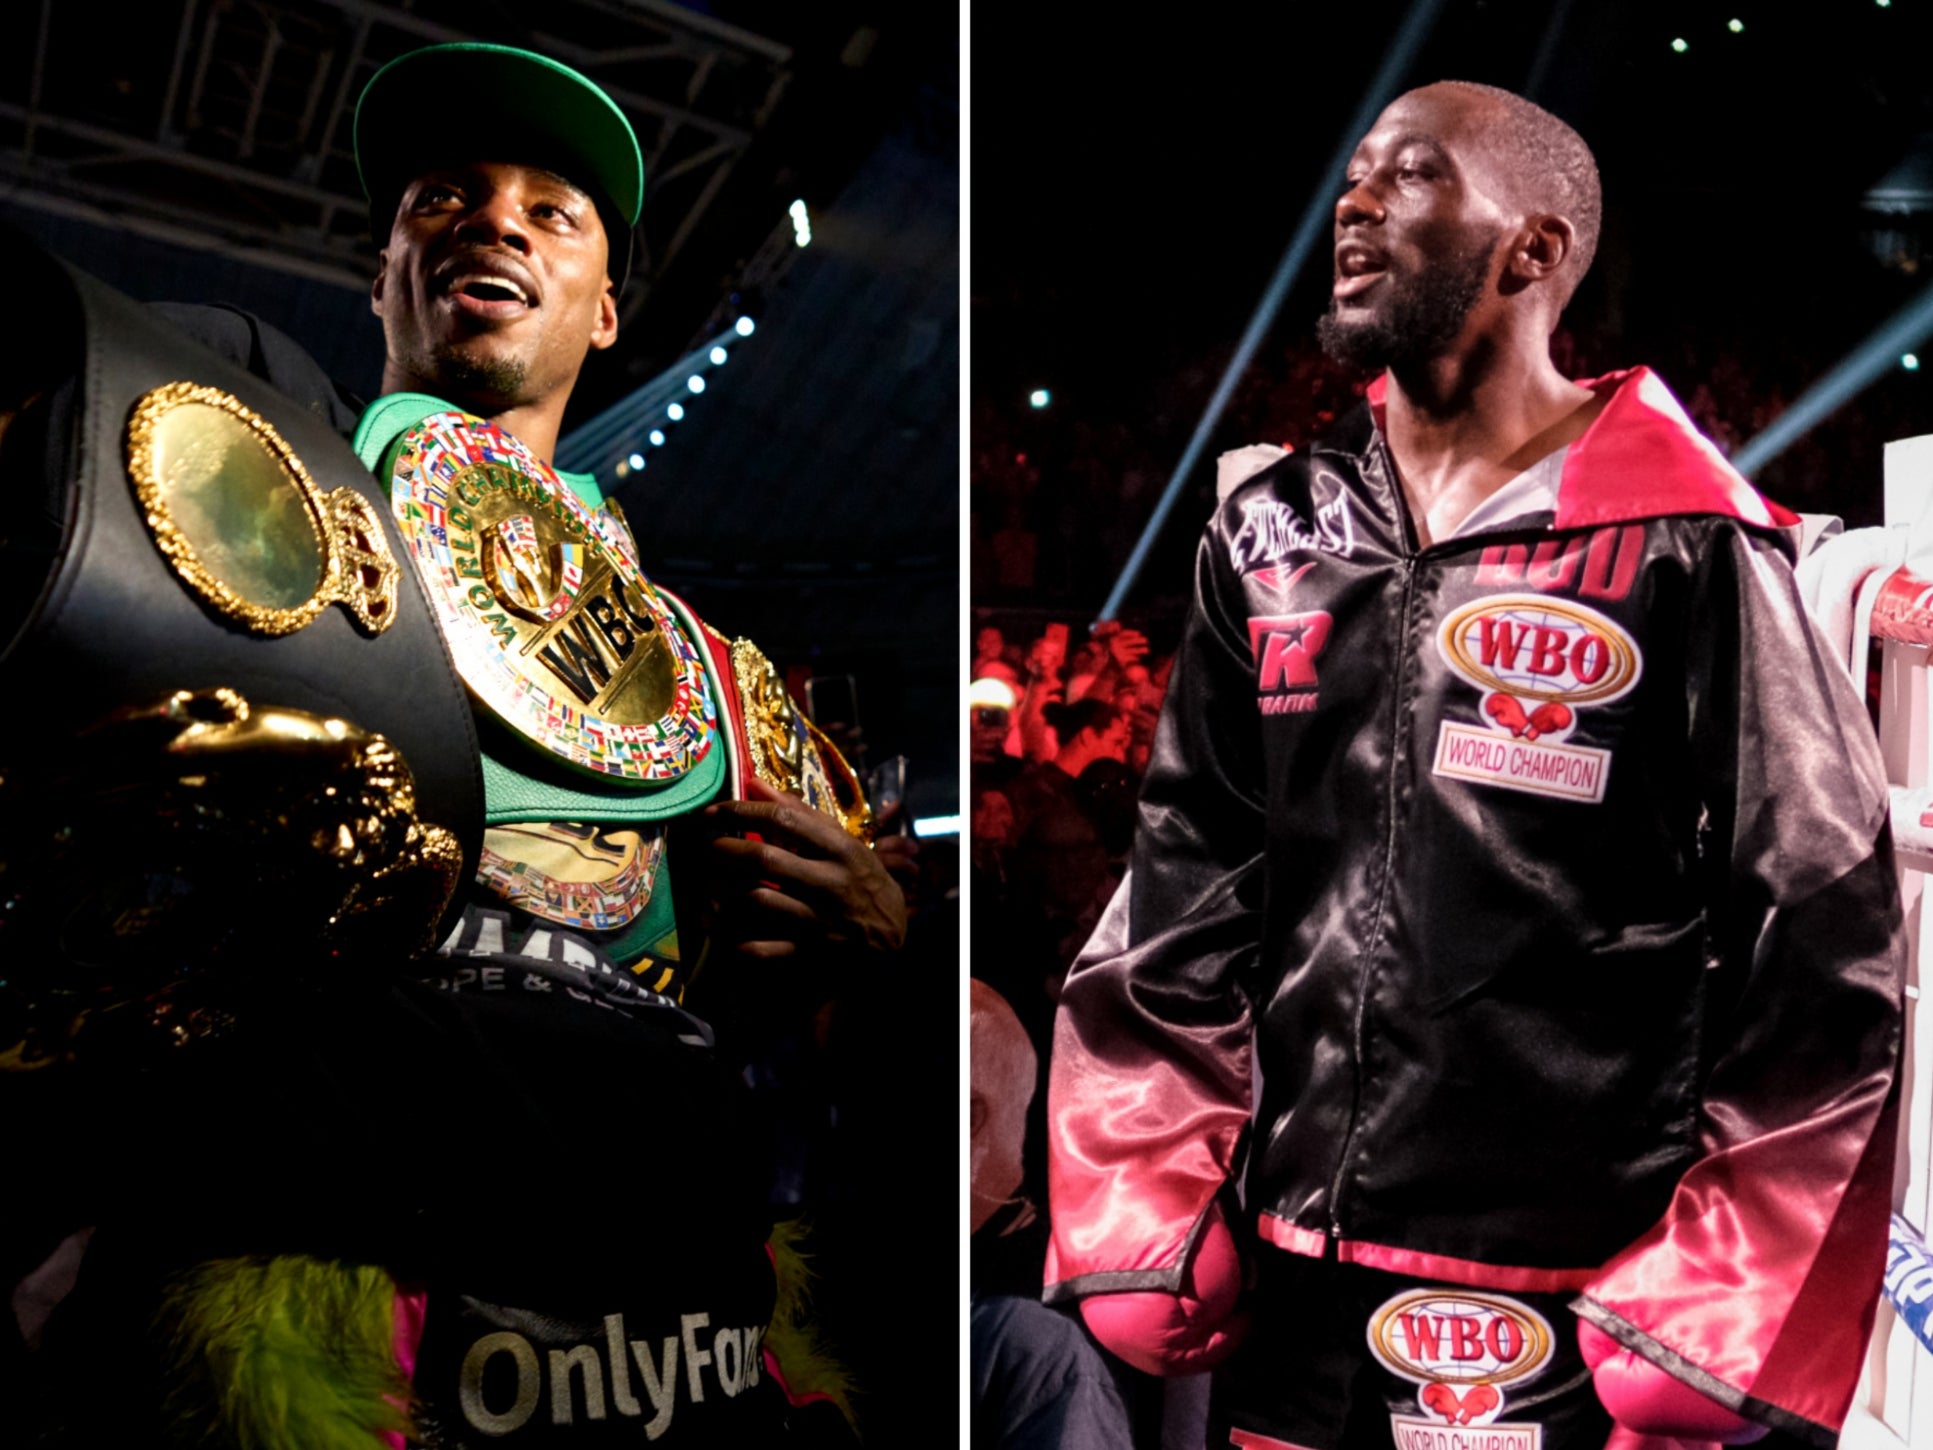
column 900, row 855
column 1124, row 646
column 806, row 885
column 1044, row 659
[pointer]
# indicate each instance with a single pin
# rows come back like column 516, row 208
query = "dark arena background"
column 778, row 418
column 1767, row 247
column 1768, row 191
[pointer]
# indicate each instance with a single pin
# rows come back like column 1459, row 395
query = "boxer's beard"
column 497, row 381
column 1417, row 321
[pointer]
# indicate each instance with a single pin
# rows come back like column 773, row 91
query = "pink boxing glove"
column 1644, row 1398
column 1185, row 1333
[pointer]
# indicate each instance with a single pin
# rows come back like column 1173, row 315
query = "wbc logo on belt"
column 537, row 582
column 549, row 620
column 1537, row 662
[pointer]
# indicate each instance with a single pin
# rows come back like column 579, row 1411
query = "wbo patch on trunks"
column 1536, row 662
column 1413, row 1434
column 1463, row 1349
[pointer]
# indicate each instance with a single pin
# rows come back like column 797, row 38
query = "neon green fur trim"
column 808, row 1365
column 269, row 1353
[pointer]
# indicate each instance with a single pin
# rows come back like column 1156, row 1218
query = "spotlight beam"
column 1904, row 331
column 1314, row 226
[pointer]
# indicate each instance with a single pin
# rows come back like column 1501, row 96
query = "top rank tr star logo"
column 1286, row 648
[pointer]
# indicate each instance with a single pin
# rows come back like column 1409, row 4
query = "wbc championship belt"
column 248, row 775
column 548, row 617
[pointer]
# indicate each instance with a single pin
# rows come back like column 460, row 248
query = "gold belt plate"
column 244, row 524
column 789, row 752
column 581, row 876
column 550, row 621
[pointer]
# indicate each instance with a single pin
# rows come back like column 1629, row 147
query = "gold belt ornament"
column 549, row 619
column 581, row 876
column 198, row 845
column 234, row 511
column 789, row 752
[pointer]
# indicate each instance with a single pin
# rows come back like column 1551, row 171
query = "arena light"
column 1904, row 331
column 1317, row 220
column 928, row 826
column 625, row 433
column 623, row 469
column 744, row 327
column 1040, row 397
column 1679, row 45
column 989, row 692
column 1735, row 26
column 1910, row 361
column 801, row 223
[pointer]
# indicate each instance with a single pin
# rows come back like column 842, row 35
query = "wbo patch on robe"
column 1536, row 661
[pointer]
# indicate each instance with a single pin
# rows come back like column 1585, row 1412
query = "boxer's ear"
column 1542, row 248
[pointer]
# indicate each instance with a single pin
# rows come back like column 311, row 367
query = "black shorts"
column 1341, row 1357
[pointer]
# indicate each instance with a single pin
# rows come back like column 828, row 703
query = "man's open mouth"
column 1357, row 268
column 484, row 288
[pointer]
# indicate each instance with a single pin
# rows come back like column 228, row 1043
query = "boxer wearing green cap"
column 502, row 228
column 508, row 237
column 557, row 1239
column 496, row 277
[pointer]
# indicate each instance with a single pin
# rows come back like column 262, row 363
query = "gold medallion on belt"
column 789, row 752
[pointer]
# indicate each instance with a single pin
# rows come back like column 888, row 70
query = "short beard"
column 1418, row 322
column 483, row 384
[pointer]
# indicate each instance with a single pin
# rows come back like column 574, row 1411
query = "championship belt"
column 790, row 753
column 596, row 681
column 239, row 745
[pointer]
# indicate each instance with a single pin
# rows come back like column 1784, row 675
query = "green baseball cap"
column 471, row 101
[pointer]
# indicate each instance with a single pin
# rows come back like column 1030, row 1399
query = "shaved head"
column 1552, row 168
column 1003, row 1073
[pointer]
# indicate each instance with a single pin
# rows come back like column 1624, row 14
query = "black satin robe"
column 1541, row 879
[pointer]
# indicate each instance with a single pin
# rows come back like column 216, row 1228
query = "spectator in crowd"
column 1039, row 1381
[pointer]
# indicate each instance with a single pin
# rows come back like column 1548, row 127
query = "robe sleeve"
column 1758, row 1286
column 1149, row 1094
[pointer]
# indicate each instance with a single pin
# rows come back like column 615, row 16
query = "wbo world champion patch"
column 1537, row 663
column 1465, row 1350
column 550, row 621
